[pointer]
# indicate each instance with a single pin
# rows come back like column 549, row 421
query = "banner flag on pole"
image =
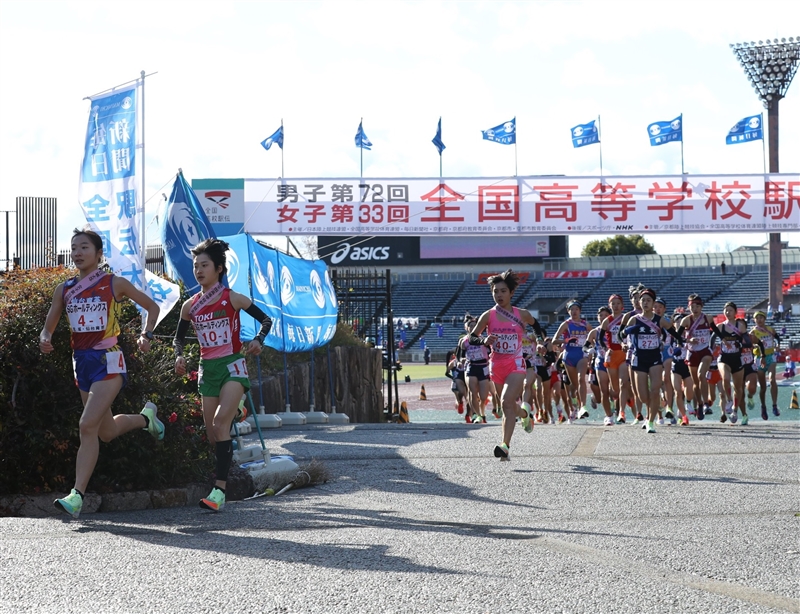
column 297, row 294
column 585, row 134
column 361, row 139
column 505, row 133
column 109, row 191
column 749, row 129
column 666, row 132
column 276, row 138
column 183, row 226
column 437, row 140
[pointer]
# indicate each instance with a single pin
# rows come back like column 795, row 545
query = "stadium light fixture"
column 770, row 67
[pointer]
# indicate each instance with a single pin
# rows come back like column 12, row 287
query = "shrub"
column 40, row 406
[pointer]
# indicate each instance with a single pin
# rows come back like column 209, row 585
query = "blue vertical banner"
column 109, row 190
column 183, row 226
column 297, row 294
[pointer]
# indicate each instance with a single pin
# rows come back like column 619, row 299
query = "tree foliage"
column 619, row 245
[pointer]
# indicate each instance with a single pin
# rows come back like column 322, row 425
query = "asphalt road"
column 422, row 518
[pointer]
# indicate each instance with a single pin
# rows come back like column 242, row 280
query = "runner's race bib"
column 506, row 343
column 213, row 333
column 88, row 317
column 115, row 362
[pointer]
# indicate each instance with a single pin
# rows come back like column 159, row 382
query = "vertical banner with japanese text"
column 109, row 190
column 297, row 294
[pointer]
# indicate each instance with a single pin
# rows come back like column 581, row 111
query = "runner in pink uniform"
column 506, row 327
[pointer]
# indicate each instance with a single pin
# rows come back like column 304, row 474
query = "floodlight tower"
column 770, row 67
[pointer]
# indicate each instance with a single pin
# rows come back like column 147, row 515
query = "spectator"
column 722, row 267
column 769, row 311
column 427, row 355
column 780, row 311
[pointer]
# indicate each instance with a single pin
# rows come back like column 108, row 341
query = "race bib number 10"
column 238, row 368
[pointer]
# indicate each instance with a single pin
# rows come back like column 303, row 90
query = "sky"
column 224, row 75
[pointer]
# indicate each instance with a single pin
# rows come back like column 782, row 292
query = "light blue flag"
column 749, row 129
column 437, row 140
column 297, row 294
column 361, row 139
column 505, row 133
column 276, row 138
column 666, row 132
column 184, row 225
column 585, row 134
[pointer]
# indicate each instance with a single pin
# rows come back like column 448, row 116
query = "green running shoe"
column 71, row 504
column 527, row 423
column 215, row 501
column 501, row 451
column 154, row 426
column 744, row 420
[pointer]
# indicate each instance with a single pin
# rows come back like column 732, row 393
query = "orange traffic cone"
column 422, row 396
column 795, row 404
column 403, row 413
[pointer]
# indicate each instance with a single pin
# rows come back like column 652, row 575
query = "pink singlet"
column 506, row 357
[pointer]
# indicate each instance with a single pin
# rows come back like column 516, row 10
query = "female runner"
column 91, row 300
column 222, row 376
column 506, row 327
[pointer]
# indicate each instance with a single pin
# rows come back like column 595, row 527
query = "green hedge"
column 40, row 406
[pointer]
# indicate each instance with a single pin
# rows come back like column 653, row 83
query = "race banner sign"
column 524, row 205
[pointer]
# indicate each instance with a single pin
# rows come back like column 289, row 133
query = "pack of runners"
column 658, row 368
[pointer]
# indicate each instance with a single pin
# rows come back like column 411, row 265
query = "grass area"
column 420, row 371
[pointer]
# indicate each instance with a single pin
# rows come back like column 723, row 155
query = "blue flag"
column 184, row 225
column 585, row 134
column 749, row 129
column 666, row 132
column 437, row 140
column 361, row 139
column 297, row 294
column 276, row 137
column 505, row 133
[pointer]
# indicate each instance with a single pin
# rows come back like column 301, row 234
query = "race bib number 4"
column 115, row 362
column 238, row 368
column 89, row 317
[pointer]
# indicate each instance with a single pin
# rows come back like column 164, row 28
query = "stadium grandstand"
column 432, row 304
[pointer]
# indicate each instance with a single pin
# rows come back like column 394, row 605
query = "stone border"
column 41, row 506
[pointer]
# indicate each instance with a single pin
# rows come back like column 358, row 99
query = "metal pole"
column 311, row 385
column 775, row 256
column 389, row 337
column 330, row 379
column 143, row 230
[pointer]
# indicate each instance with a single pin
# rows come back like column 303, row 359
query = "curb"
column 41, row 506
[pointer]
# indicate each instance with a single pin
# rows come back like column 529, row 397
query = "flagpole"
column 143, row 184
column 361, row 126
column 600, row 142
column 282, row 134
column 516, row 173
column 682, row 171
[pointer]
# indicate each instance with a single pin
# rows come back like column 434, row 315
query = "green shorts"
column 214, row 373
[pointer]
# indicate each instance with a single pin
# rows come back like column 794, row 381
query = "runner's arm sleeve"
column 675, row 334
column 259, row 316
column 180, row 336
column 475, row 340
column 538, row 329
